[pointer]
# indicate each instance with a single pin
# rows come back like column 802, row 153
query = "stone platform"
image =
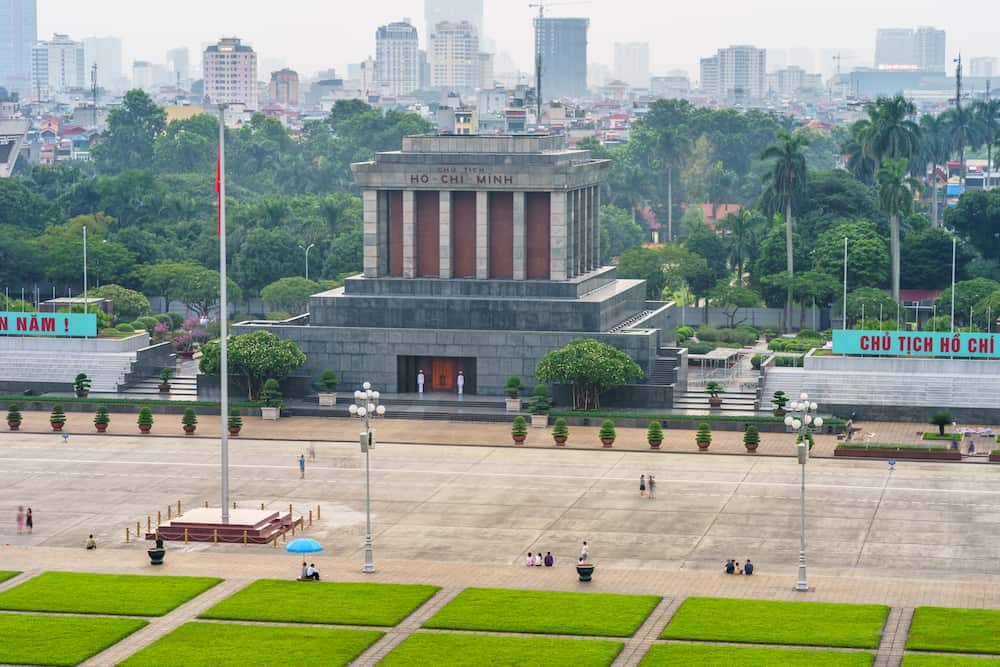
column 205, row 524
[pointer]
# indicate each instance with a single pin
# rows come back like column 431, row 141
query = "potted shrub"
column 512, row 390
column 809, row 438
column 607, row 433
column 101, row 419
column 713, row 389
column 271, row 395
column 235, row 421
column 539, row 406
column 145, row 419
column 703, row 437
column 751, row 438
column 654, row 434
column 560, row 432
column 81, row 385
column 189, row 421
column 13, row 417
column 57, row 418
column 165, row 375
column 780, row 400
column 941, row 419
column 519, row 430
column 327, row 386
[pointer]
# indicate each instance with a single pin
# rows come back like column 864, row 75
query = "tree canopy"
column 257, row 357
column 590, row 368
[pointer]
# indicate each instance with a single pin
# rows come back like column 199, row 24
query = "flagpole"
column 223, row 318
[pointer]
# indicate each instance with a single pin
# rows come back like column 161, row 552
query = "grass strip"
column 224, row 645
column 774, row 622
column 927, row 435
column 545, row 612
column 115, row 594
column 24, row 401
column 7, row 574
column 955, row 630
column 927, row 660
column 684, row 655
column 59, row 640
column 322, row 602
column 438, row 648
column 605, row 414
column 895, row 447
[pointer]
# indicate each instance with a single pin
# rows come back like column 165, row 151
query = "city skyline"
column 678, row 38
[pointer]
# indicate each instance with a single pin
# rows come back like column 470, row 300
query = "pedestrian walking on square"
column 302, row 466
column 584, row 553
column 972, row 447
column 642, row 485
column 29, row 521
column 20, row 519
column 652, row 487
column 312, row 452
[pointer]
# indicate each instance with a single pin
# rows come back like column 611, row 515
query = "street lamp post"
column 366, row 406
column 802, row 418
column 307, row 249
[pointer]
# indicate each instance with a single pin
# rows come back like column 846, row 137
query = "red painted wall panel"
column 428, row 206
column 501, row 236
column 395, row 233
column 538, row 206
column 463, row 234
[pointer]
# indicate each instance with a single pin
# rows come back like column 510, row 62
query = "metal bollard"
column 274, row 542
column 185, row 536
column 215, row 535
column 262, row 505
column 234, row 504
column 138, row 530
column 289, row 508
column 149, row 524
column 126, row 534
column 178, row 508
column 284, row 534
column 206, row 503
column 293, row 526
column 317, row 512
column 158, row 522
column 244, row 538
column 310, row 517
column 168, row 512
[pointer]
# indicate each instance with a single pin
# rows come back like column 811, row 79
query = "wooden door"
column 443, row 374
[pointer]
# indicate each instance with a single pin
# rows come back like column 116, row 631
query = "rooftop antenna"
column 93, row 89
column 958, row 81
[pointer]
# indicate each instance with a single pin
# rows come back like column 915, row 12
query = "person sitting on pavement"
column 748, row 568
column 538, row 559
column 312, row 573
column 304, row 574
column 730, row 567
column 549, row 560
column 90, row 543
column 530, row 560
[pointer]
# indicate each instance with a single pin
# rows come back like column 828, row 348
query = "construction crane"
column 541, row 5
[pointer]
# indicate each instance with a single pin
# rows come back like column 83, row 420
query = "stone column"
column 595, row 198
column 587, row 231
column 383, row 233
column 444, row 232
column 570, row 234
column 409, row 234
column 520, row 238
column 557, row 236
column 482, row 236
column 369, row 200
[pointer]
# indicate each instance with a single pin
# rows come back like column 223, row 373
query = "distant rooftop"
column 472, row 143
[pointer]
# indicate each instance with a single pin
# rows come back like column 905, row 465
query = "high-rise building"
column 675, row 85
column 57, row 65
column 106, row 53
column 230, row 72
column 452, row 11
column 397, row 60
column 454, row 56
column 737, row 74
column 983, row 66
column 18, row 34
column 486, row 70
column 562, row 45
column 179, row 62
column 928, row 49
column 906, row 49
column 143, row 75
column 632, row 63
column 284, row 87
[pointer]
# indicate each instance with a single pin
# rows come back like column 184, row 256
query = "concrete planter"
column 715, row 401
column 994, row 458
column 328, row 399
column 156, row 556
column 539, row 421
column 270, row 413
column 513, row 404
column 585, row 571
column 861, row 452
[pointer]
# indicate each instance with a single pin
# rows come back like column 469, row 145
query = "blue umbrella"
column 303, row 545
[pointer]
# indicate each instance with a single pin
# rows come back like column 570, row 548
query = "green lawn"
column 223, row 644
column 5, row 575
column 545, row 612
column 436, row 648
column 916, row 660
column 683, row 655
column 334, row 603
column 124, row 594
column 769, row 622
column 59, row 640
column 958, row 630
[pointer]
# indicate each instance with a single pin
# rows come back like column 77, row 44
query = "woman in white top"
column 538, row 560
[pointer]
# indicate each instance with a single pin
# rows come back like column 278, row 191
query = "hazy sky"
column 309, row 35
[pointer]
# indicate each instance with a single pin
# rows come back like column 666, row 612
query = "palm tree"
column 988, row 114
column 786, row 180
column 741, row 240
column 671, row 148
column 859, row 162
column 935, row 149
column 891, row 133
column 964, row 130
column 895, row 198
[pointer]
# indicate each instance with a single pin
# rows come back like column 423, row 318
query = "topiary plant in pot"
column 941, row 420
column 327, row 386
column 189, row 421
column 560, row 432
column 519, row 430
column 607, row 433
column 654, row 434
column 165, row 375
column 703, row 437
column 57, row 418
column 780, row 400
column 512, row 390
column 101, row 419
column 145, row 419
column 271, row 395
column 751, row 438
column 539, row 406
column 235, row 421
column 713, row 389
column 13, row 417
column 81, row 385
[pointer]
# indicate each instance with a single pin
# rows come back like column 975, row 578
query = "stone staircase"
column 182, row 388
column 734, row 403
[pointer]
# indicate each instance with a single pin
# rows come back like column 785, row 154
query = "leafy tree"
column 618, row 232
column 188, row 145
column 669, row 145
column 645, row 264
column 290, row 294
column 808, row 288
column 890, row 133
column 988, row 120
column 866, row 302
column 590, row 368
column 786, row 180
column 20, row 207
column 830, row 197
column 976, row 219
column 192, row 284
column 744, row 230
column 266, row 255
column 132, row 131
column 987, row 311
column 968, row 294
column 935, row 149
column 928, row 259
column 895, row 197
column 126, row 304
column 730, row 298
column 257, row 356
column 703, row 241
column 868, row 255
column 964, row 130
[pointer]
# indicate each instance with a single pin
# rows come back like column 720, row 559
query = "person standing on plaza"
column 420, row 381
column 312, row 452
column 584, row 553
column 302, row 466
column 642, row 485
column 460, row 382
column 652, row 487
column 20, row 519
column 29, row 520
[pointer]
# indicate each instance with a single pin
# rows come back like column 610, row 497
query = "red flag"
column 218, row 189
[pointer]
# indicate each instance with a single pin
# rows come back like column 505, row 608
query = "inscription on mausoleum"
column 445, row 175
